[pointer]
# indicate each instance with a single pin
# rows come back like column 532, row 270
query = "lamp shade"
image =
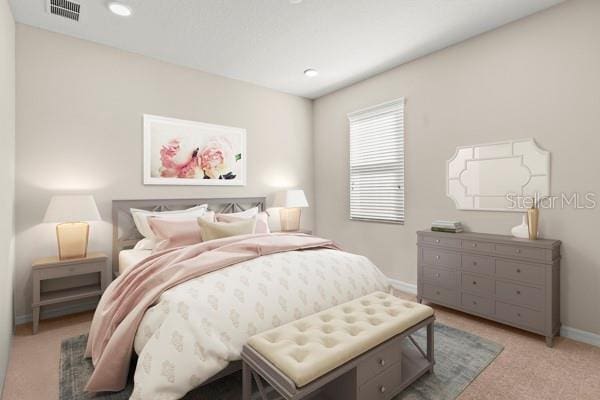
column 72, row 208
column 290, row 199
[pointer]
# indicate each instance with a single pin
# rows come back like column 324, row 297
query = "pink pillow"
column 171, row 233
column 262, row 221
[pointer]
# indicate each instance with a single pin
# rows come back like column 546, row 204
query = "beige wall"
column 79, row 119
column 7, row 157
column 538, row 77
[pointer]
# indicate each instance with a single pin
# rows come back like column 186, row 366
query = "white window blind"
column 377, row 163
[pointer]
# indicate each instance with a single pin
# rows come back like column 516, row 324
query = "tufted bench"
column 359, row 350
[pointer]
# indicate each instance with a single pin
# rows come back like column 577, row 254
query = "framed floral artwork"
column 180, row 152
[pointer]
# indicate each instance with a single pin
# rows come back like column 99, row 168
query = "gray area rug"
column 460, row 357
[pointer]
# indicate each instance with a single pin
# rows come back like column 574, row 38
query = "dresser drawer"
column 477, row 284
column 520, row 295
column 521, row 251
column 441, row 295
column 522, row 316
column 479, row 264
column 477, row 304
column 382, row 386
column 441, row 277
column 441, row 258
column 521, row 272
column 383, row 359
column 477, row 246
column 441, row 241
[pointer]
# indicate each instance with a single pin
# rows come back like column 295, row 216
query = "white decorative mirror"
column 498, row 176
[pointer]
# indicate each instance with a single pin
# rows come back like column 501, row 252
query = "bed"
column 195, row 332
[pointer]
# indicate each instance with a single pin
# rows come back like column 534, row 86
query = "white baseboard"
column 403, row 286
column 58, row 312
column 580, row 336
column 565, row 331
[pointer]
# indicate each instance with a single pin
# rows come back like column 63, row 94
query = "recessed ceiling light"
column 311, row 72
column 120, row 9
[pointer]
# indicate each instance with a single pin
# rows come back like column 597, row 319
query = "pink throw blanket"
column 122, row 307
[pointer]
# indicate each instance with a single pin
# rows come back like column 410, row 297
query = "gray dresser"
column 509, row 280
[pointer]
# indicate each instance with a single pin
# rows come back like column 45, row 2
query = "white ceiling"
column 271, row 42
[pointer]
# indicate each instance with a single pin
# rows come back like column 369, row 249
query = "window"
column 377, row 163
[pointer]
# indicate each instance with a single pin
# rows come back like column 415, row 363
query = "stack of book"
column 446, row 226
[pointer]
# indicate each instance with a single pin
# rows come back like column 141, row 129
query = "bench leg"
column 430, row 344
column 246, row 382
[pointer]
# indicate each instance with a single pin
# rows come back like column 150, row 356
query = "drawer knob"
column 518, row 292
column 474, row 263
column 474, row 244
column 518, row 270
column 437, row 257
column 474, row 282
column 382, row 389
column 518, row 251
column 519, row 314
column 437, row 240
column 437, row 275
column 382, row 362
column 437, row 292
column 474, row 303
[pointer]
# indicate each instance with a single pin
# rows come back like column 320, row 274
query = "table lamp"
column 72, row 212
column 292, row 201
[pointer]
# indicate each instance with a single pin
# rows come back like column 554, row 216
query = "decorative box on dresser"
column 502, row 278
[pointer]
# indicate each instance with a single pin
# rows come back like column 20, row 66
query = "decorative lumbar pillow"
column 171, row 233
column 140, row 218
column 217, row 230
column 262, row 220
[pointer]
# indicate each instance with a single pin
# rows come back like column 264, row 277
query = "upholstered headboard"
column 126, row 235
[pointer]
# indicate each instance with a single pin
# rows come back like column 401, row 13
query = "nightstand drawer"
column 383, row 385
column 69, row 270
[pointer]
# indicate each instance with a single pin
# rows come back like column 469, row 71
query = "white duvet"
column 198, row 327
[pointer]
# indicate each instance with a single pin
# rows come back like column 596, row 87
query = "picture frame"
column 183, row 152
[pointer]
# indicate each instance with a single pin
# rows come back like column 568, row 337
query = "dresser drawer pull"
column 518, row 292
column 437, row 292
column 437, row 275
column 437, row 240
column 519, row 314
column 382, row 362
column 382, row 389
column 518, row 270
column 474, row 303
column 474, row 263
column 474, row 244
column 518, row 251
column 474, row 282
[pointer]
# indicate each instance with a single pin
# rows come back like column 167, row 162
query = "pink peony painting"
column 180, row 152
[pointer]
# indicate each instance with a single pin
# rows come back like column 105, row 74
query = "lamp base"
column 72, row 240
column 290, row 219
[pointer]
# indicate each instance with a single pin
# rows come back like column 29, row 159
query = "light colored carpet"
column 526, row 369
column 460, row 357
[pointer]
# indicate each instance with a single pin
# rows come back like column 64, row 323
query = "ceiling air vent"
column 64, row 8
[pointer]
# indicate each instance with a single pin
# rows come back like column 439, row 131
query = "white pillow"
column 249, row 213
column 145, row 244
column 140, row 217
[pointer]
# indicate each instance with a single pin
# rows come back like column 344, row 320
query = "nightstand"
column 54, row 268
